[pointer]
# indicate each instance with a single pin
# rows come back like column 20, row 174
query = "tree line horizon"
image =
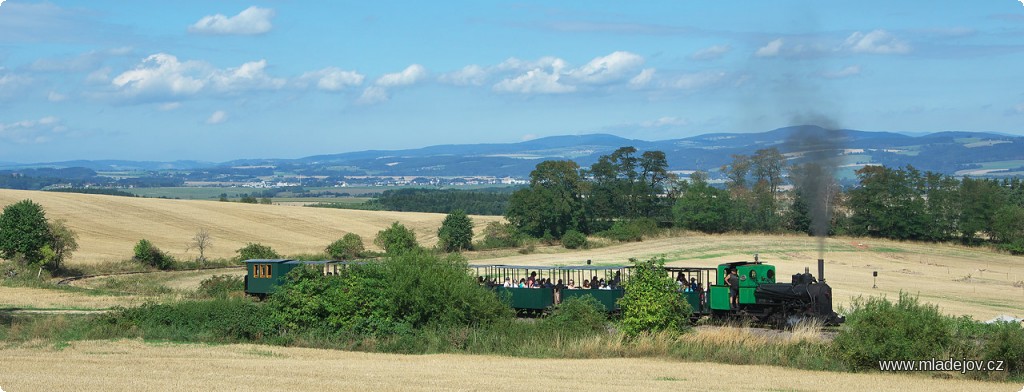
column 896, row 203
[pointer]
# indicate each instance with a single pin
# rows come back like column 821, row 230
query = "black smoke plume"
column 819, row 144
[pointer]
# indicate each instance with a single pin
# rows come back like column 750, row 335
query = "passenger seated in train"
column 508, row 282
column 522, row 283
column 572, row 285
column 586, row 283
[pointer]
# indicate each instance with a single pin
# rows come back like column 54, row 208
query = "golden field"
column 978, row 282
column 109, row 226
column 131, row 365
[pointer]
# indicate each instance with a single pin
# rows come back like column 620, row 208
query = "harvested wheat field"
column 109, row 226
column 134, row 366
column 963, row 281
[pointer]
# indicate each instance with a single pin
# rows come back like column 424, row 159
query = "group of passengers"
column 534, row 282
column 688, row 287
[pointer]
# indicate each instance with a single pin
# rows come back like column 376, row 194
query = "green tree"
column 348, row 247
column 256, row 251
column 396, row 239
column 553, row 204
column 456, row 232
column 24, row 231
column 1008, row 227
column 149, row 254
column 651, row 302
column 63, row 241
column 703, row 207
column 574, row 240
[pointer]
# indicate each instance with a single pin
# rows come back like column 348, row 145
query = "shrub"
column 396, row 296
column 631, row 230
column 253, row 251
column 396, row 239
column 456, row 232
column 350, row 246
column 218, row 320
column 573, row 239
column 221, row 286
column 149, row 254
column 1007, row 344
column 500, row 235
column 877, row 329
column 651, row 302
column 577, row 317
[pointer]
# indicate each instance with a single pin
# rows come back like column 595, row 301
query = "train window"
column 753, row 274
column 771, row 274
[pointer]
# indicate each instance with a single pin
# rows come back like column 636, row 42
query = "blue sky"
column 221, row 80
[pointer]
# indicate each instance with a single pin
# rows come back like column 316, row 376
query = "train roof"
column 554, row 267
column 306, row 262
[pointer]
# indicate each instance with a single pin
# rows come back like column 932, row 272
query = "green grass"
column 193, row 193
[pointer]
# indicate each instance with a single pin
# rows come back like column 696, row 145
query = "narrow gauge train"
column 761, row 298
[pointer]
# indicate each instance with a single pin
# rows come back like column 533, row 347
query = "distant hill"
column 960, row 153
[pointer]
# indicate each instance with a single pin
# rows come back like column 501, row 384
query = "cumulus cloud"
column 770, row 50
column 642, row 79
column 470, row 75
column 161, row 74
column 248, row 76
column 694, row 81
column 607, row 69
column 552, row 75
column 410, row 75
column 534, row 81
column 251, row 21
column 217, row 117
column 166, row 107
column 711, row 53
column 876, row 42
column 373, row 94
column 380, row 91
column 333, row 79
column 163, row 77
column 852, row 70
column 32, row 131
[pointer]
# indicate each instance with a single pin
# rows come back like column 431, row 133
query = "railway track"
column 68, row 280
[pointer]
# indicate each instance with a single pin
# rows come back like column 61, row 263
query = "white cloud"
column 166, row 107
column 54, row 96
column 252, row 20
column 606, row 69
column 373, row 94
column 642, row 79
column 248, row 76
column 333, row 79
column 470, row 75
column 770, row 50
column 163, row 77
column 410, row 75
column 217, row 117
column 534, row 81
column 99, row 76
column 380, row 91
column 696, row 80
column 877, row 42
column 711, row 53
column 852, row 70
column 161, row 74
column 32, row 131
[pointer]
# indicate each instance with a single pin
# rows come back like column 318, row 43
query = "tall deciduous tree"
column 553, row 204
column 24, row 231
column 201, row 241
column 456, row 232
column 703, row 207
column 396, row 239
column 63, row 241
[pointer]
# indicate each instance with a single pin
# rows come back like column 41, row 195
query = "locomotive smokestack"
column 821, row 270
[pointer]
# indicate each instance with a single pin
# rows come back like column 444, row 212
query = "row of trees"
column 900, row 203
